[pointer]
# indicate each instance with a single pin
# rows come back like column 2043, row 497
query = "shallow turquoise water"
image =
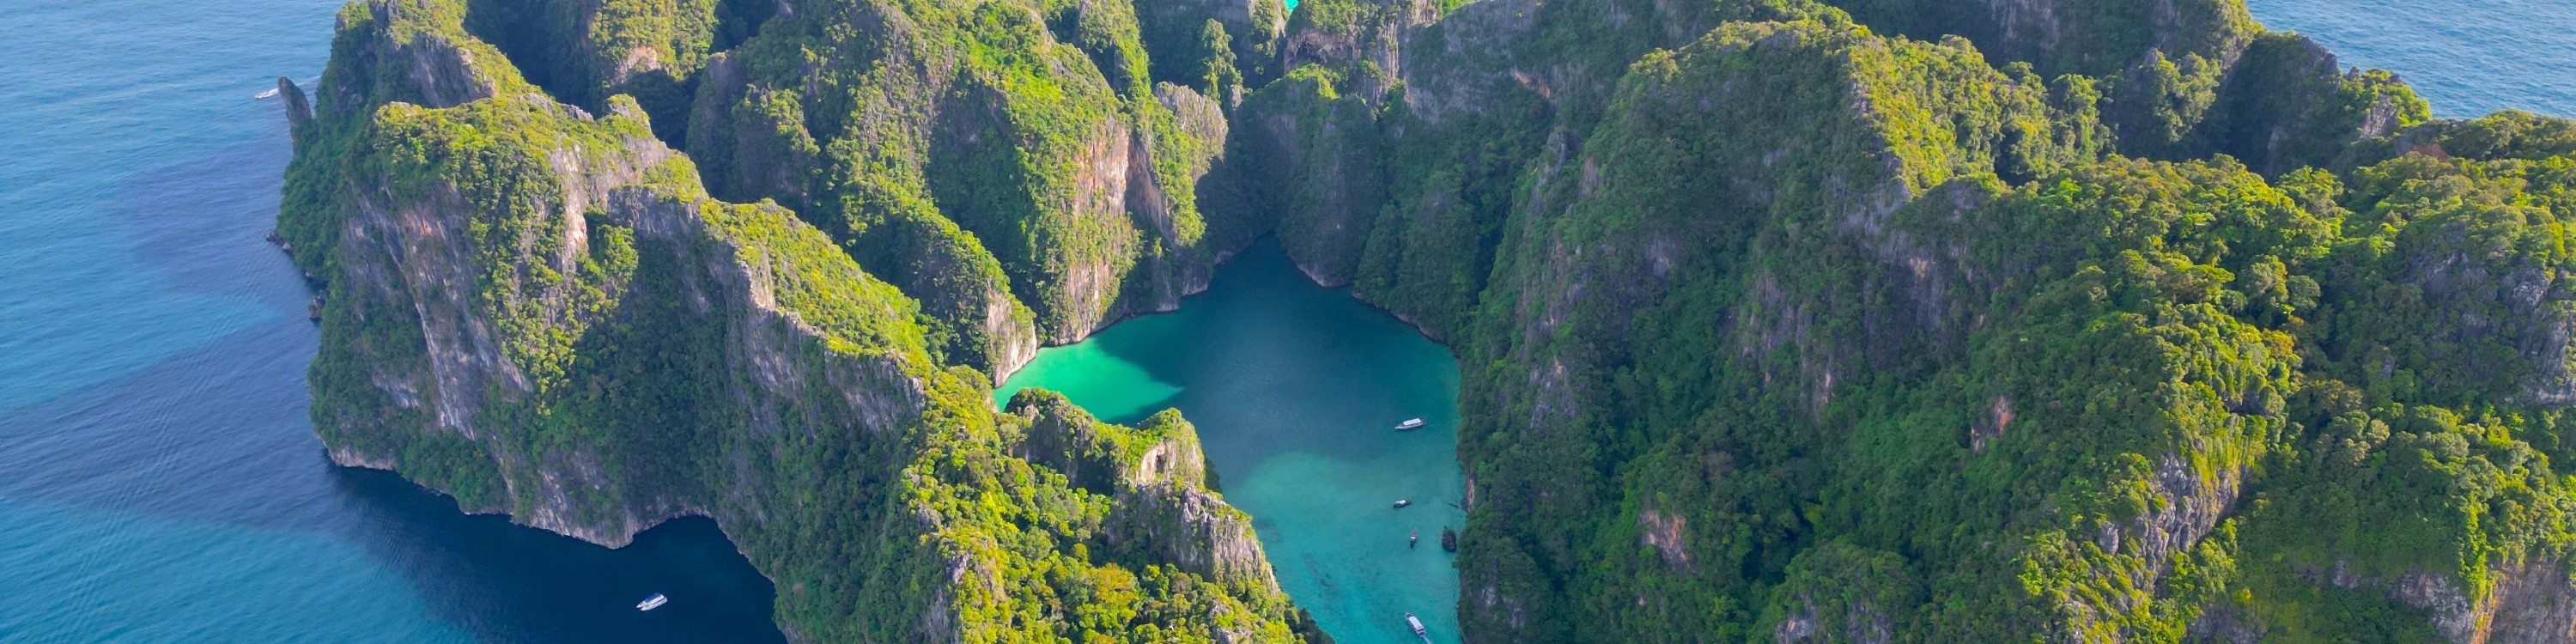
column 1296, row 390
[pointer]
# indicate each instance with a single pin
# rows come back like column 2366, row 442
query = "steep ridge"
column 1872, row 320
column 1754, row 177
column 540, row 312
column 1722, row 367
column 1065, row 179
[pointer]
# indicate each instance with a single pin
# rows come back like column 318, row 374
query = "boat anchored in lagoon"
column 1409, row 425
column 1307, row 461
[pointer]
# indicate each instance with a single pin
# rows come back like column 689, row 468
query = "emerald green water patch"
column 1104, row 383
column 1296, row 391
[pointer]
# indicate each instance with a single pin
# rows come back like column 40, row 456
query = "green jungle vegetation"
column 687, row 355
column 1781, row 320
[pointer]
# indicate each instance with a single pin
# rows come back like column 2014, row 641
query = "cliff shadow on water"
column 513, row 582
column 1296, row 390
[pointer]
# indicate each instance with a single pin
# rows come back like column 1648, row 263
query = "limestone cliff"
column 541, row 312
column 1856, row 320
column 1710, row 301
column 1026, row 198
column 1157, row 473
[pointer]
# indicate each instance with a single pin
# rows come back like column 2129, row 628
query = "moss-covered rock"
column 542, row 313
column 1869, row 320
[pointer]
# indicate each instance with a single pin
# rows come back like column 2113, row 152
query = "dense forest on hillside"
column 1780, row 320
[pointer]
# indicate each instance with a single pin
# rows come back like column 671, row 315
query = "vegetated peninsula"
column 1780, row 320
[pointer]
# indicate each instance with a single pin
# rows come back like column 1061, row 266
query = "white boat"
column 1410, row 424
column 1400, row 503
column 653, row 602
column 1416, row 623
column 271, row 92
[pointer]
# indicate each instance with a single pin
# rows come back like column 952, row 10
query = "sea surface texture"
column 160, row 482
column 2469, row 58
column 1296, row 391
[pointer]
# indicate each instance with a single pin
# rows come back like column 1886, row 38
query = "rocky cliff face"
column 1069, row 170
column 1870, row 320
column 2062, row 37
column 1683, row 282
column 1157, row 473
column 541, row 312
column 2526, row 604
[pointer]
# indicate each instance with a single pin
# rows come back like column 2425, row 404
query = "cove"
column 1296, row 390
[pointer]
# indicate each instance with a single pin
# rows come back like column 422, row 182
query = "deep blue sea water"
column 159, row 481
column 2469, row 57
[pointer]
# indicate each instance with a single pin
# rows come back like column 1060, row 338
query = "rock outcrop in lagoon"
column 1872, row 320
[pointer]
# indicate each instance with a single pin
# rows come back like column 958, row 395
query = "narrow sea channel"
column 1296, row 391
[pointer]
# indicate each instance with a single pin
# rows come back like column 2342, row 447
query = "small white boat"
column 1416, row 623
column 1400, row 503
column 653, row 602
column 271, row 92
column 1409, row 425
